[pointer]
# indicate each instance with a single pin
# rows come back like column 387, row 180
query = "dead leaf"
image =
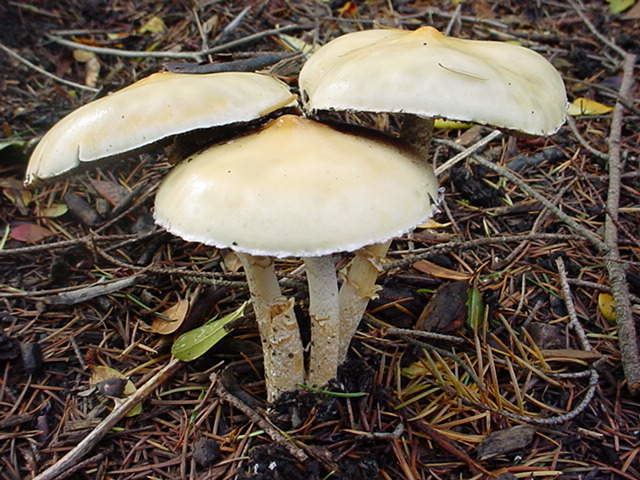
column 231, row 262
column 348, row 9
column 296, row 44
column 445, row 124
column 586, row 106
column 102, row 374
column 607, row 306
column 446, row 310
column 30, row 233
column 154, row 25
column 171, row 318
column 633, row 14
column 92, row 66
column 437, row 271
column 54, row 211
column 432, row 225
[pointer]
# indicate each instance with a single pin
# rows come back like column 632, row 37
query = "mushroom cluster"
column 297, row 187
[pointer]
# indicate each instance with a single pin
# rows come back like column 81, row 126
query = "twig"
column 72, row 457
column 82, row 465
column 98, row 289
column 583, row 142
column 135, row 237
column 589, row 235
column 243, row 65
column 405, row 332
column 597, row 286
column 190, row 55
column 467, row 152
column 610, row 43
column 458, row 245
column 627, row 335
column 274, row 433
column 41, row 70
column 571, row 309
column 453, row 19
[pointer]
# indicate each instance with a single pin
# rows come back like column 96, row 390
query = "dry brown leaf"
column 437, row 271
column 30, row 233
column 171, row 318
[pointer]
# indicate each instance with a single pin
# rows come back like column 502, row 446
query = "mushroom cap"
column 428, row 74
column 150, row 110
column 297, row 188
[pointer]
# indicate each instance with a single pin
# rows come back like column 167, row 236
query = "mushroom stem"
column 279, row 333
column 358, row 288
column 325, row 321
column 417, row 132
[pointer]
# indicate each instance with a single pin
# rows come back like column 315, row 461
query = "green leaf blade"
column 197, row 342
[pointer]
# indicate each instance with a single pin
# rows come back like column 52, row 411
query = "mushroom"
column 427, row 74
column 296, row 188
column 150, row 110
column 424, row 74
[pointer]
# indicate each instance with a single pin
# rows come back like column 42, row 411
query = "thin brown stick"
column 466, row 152
column 576, row 133
column 190, row 55
column 608, row 42
column 72, row 457
column 274, row 433
column 627, row 334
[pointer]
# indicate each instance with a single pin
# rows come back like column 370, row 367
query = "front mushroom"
column 296, row 188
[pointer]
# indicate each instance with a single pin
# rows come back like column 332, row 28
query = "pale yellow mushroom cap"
column 152, row 109
column 296, row 188
column 428, row 74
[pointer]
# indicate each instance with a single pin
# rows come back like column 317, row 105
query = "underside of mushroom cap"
column 297, row 188
column 150, row 110
column 426, row 73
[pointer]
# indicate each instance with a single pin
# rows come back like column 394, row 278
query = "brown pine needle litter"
column 538, row 380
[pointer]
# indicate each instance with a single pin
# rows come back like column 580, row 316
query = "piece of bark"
column 505, row 441
column 447, row 309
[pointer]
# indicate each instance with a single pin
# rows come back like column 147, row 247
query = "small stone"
column 206, row 452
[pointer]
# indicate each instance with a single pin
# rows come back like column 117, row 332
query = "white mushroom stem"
column 358, row 288
column 325, row 322
column 417, row 132
column 279, row 333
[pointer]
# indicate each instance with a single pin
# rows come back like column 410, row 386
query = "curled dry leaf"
column 171, row 319
column 102, row 374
